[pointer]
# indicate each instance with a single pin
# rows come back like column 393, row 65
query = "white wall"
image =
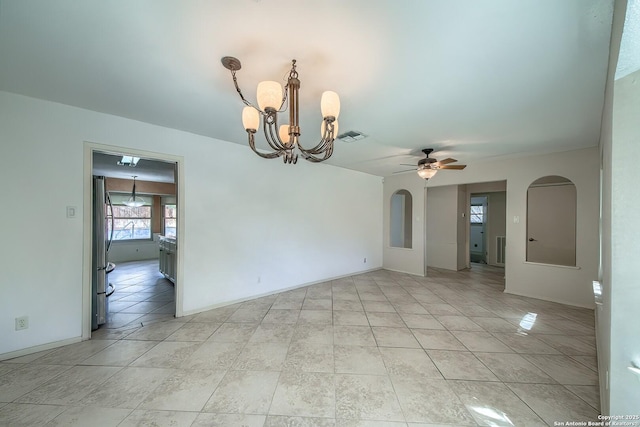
column 442, row 227
column 403, row 259
column 604, row 307
column 252, row 226
column 621, row 272
column 496, row 224
column 462, row 236
column 136, row 250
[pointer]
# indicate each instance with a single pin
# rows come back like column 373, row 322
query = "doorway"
column 487, row 224
column 142, row 292
column 477, row 233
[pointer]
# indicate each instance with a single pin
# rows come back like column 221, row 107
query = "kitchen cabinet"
column 168, row 257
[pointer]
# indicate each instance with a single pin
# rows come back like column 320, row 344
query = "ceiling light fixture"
column 425, row 171
column 283, row 139
column 134, row 202
column 129, row 161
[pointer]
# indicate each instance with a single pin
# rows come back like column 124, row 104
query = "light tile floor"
column 142, row 295
column 379, row 349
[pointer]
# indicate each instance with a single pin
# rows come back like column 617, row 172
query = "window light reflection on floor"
column 527, row 322
column 489, row 416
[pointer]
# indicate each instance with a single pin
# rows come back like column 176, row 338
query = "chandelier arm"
column 273, row 144
column 307, row 154
column 326, row 152
column 273, row 138
column 235, row 83
column 252, row 144
column 315, row 159
column 283, row 106
column 326, row 141
column 314, row 150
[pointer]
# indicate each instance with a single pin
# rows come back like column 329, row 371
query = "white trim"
column 400, row 249
column 266, row 294
column 38, row 348
column 405, row 272
column 542, row 298
column 571, row 267
column 89, row 148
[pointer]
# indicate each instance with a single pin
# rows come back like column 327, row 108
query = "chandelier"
column 283, row 139
column 134, row 202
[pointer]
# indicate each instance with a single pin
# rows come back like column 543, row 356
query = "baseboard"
column 540, row 297
column 266, row 294
column 38, row 348
column 402, row 271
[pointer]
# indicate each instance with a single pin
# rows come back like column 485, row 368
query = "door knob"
column 531, row 239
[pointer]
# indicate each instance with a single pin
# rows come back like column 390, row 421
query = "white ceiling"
column 472, row 79
column 629, row 56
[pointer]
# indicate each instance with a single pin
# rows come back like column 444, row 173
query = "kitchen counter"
column 168, row 258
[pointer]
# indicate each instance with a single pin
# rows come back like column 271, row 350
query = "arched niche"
column 401, row 225
column 551, row 221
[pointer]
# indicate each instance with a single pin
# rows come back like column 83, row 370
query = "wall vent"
column 501, row 245
column 351, row 136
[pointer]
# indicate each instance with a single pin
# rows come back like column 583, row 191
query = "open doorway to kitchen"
column 133, row 273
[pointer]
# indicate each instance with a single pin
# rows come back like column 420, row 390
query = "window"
column 169, row 215
column 130, row 223
column 477, row 214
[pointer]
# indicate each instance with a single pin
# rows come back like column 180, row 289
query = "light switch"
column 516, row 219
column 71, row 211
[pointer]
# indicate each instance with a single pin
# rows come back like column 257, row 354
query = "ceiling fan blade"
column 408, row 170
column 456, row 167
column 446, row 161
column 406, row 164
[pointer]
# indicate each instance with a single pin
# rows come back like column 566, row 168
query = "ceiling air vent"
column 351, row 136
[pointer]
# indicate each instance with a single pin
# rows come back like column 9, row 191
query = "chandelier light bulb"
column 269, row 95
column 283, row 132
column 330, row 104
column 250, row 118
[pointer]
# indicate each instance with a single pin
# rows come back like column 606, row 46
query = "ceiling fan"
column 428, row 166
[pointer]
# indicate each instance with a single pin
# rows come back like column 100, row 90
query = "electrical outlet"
column 22, row 323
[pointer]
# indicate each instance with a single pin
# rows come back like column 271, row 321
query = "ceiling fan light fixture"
column 425, row 172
